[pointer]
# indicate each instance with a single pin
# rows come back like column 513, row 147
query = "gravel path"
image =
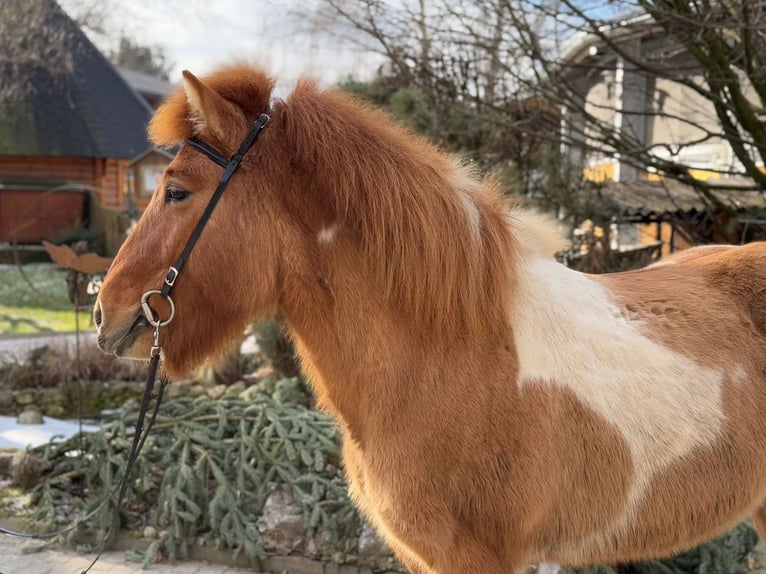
column 14, row 561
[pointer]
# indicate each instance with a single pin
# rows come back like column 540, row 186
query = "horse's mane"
column 438, row 238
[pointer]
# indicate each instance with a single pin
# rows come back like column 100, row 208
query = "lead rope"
column 139, row 439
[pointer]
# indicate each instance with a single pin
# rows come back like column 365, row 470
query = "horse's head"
column 334, row 212
column 232, row 272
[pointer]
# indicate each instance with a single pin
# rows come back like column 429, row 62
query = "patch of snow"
column 250, row 346
column 15, row 435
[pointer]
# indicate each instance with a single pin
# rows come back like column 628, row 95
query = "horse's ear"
column 209, row 111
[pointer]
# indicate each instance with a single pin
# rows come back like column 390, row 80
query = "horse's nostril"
column 97, row 315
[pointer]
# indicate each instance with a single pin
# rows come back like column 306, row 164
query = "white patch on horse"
column 474, row 217
column 465, row 184
column 570, row 334
column 327, row 234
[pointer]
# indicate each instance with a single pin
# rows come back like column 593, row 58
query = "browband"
column 217, row 157
column 207, row 150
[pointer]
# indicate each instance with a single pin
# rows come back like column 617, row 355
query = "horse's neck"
column 374, row 367
column 354, row 347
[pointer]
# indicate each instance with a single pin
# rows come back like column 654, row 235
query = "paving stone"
column 293, row 565
column 57, row 561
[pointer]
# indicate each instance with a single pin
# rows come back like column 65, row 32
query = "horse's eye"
column 173, row 193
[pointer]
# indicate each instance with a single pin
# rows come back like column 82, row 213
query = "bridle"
column 230, row 166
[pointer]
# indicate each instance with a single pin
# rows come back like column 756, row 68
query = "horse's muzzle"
column 119, row 341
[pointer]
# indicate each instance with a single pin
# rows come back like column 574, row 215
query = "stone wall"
column 63, row 402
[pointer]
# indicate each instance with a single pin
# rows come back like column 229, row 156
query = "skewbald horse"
column 497, row 408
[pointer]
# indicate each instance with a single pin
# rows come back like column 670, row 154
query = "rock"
column 34, row 546
column 319, row 547
column 266, row 372
column 30, row 416
column 24, row 397
column 281, row 523
column 338, row 557
column 548, row 568
column 150, row 532
column 196, row 390
column 370, row 543
column 235, row 390
column 58, row 404
column 372, row 550
column 7, row 457
column 6, row 402
column 53, row 397
column 216, row 392
column 56, row 411
column 312, row 549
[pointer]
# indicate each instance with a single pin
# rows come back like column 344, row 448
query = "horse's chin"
column 135, row 352
column 133, row 341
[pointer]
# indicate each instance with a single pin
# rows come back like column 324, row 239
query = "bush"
column 206, row 472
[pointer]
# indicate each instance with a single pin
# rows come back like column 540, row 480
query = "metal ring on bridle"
column 149, row 314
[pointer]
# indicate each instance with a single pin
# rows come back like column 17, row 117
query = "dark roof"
column 666, row 197
column 151, row 87
column 168, row 154
column 85, row 109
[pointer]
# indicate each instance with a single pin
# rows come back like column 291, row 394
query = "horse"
column 496, row 408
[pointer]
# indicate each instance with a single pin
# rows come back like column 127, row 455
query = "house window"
column 628, row 235
column 149, row 178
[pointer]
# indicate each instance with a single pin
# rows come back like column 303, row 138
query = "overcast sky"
column 199, row 35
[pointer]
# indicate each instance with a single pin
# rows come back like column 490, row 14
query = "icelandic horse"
column 496, row 407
